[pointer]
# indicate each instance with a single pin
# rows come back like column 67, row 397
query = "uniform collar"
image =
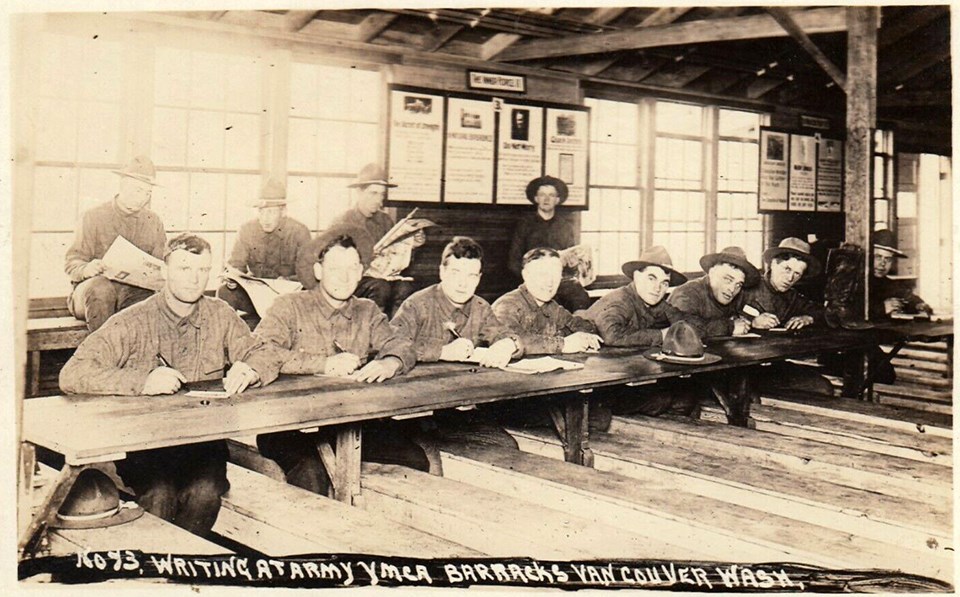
column 446, row 306
column 193, row 318
column 532, row 302
column 347, row 310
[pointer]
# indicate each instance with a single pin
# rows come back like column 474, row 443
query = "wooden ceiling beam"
column 763, row 86
column 497, row 44
column 441, row 34
column 819, row 20
column 602, row 16
column 913, row 64
column 895, row 30
column 295, row 20
column 373, row 25
column 914, row 98
column 790, row 25
column 664, row 16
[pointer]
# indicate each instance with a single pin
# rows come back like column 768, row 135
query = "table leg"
column 736, row 396
column 28, row 462
column 31, row 536
column 576, row 429
column 949, row 370
column 346, row 475
column 33, row 373
column 853, row 374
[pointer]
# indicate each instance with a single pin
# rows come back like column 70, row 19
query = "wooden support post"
column 861, row 121
column 33, row 373
column 346, row 475
column 576, row 438
column 28, row 461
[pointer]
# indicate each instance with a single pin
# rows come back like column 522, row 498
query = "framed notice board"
column 799, row 172
column 456, row 148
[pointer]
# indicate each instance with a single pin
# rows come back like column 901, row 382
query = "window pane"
column 684, row 119
column 207, row 194
column 736, row 123
column 55, row 190
column 303, row 196
column 242, row 191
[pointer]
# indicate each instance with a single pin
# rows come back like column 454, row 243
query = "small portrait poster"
column 519, row 151
column 773, row 170
column 830, row 175
column 803, row 173
column 567, row 146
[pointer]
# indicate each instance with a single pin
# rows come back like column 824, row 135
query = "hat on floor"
column 372, row 173
column 140, row 168
column 736, row 257
column 656, row 255
column 94, row 502
column 682, row 346
column 886, row 239
column 794, row 247
column 534, row 185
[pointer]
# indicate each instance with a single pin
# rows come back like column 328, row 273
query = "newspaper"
column 262, row 291
column 528, row 366
column 125, row 262
column 393, row 252
column 580, row 257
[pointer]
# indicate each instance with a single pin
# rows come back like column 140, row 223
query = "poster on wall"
column 803, row 173
column 470, row 151
column 774, row 148
column 566, row 151
column 520, row 151
column 830, row 175
column 415, row 156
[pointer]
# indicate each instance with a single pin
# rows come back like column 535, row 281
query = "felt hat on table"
column 656, row 255
column 94, row 502
column 794, row 247
column 682, row 346
column 736, row 257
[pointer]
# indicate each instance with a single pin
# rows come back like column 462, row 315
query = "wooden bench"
column 279, row 520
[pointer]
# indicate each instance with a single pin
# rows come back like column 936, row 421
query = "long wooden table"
column 899, row 333
column 91, row 430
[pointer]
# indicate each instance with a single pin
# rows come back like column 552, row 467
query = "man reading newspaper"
column 367, row 224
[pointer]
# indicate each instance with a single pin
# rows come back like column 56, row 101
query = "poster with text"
column 520, row 152
column 470, row 145
column 415, row 159
column 803, row 173
column 830, row 175
column 566, row 151
column 773, row 170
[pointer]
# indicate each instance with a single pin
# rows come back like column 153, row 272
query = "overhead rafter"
column 664, row 16
column 295, row 20
column 441, row 34
column 797, row 33
column 820, row 20
column 895, row 30
column 913, row 65
column 497, row 44
column 914, row 98
column 374, row 24
column 602, row 16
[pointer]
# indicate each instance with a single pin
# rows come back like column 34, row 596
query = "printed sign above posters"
column 465, row 148
column 416, row 146
column 803, row 173
column 520, row 152
column 567, row 148
column 799, row 172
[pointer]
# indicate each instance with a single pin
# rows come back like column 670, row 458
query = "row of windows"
column 211, row 130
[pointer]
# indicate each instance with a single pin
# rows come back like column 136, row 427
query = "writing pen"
column 449, row 325
column 337, row 348
column 163, row 361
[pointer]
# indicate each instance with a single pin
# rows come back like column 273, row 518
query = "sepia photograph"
column 664, row 302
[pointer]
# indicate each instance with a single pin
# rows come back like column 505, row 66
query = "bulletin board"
column 457, row 148
column 799, row 172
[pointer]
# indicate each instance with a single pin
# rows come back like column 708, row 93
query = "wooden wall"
column 490, row 226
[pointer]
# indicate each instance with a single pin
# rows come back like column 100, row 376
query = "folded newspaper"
column 393, row 252
column 580, row 258
column 125, row 262
column 262, row 291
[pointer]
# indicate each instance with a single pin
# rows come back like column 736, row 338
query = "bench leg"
column 853, row 375
column 576, row 430
column 346, row 475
